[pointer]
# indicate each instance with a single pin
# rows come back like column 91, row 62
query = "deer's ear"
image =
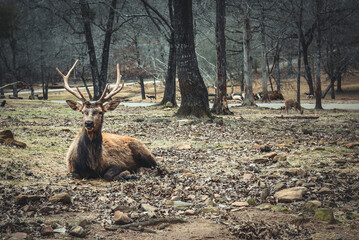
column 111, row 105
column 74, row 105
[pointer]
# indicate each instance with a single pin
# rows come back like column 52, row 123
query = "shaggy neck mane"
column 90, row 149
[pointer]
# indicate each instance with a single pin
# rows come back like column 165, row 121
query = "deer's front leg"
column 112, row 172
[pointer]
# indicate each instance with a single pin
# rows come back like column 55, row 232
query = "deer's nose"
column 89, row 124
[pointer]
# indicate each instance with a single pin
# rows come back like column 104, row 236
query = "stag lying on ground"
column 290, row 103
column 95, row 154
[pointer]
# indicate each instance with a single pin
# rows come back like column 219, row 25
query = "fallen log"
column 150, row 222
column 297, row 117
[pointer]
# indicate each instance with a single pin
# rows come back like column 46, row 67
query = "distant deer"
column 95, row 154
column 290, row 103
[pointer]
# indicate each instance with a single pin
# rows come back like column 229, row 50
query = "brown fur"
column 290, row 103
column 95, row 154
column 276, row 95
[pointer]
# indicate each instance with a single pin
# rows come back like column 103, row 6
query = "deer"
column 291, row 103
column 95, row 154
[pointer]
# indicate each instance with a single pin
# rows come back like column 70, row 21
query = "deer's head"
column 92, row 113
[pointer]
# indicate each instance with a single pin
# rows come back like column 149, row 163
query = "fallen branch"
column 10, row 84
column 150, row 222
column 297, row 117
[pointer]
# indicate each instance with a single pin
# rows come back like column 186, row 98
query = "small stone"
column 77, row 231
column 325, row 214
column 47, row 230
column 264, row 206
column 240, row 204
column 18, row 236
column 299, row 183
column 324, row 190
column 247, row 176
column 168, row 104
column 290, row 194
column 216, row 196
column 279, row 158
column 181, row 205
column 316, row 202
column 265, row 148
column 175, row 198
column 103, row 199
column 148, row 207
column 319, row 148
column 121, row 218
column 190, row 212
column 61, row 197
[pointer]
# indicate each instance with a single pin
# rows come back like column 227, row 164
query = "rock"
column 325, row 214
column 300, row 172
column 240, row 204
column 307, row 131
column 260, row 160
column 265, row 148
column 121, row 208
column 190, row 212
column 216, row 196
column 61, row 230
column 264, row 206
column 279, row 186
column 324, row 190
column 61, row 197
column 47, row 230
column 121, row 218
column 22, row 199
column 271, row 155
column 18, row 236
column 247, row 176
column 183, row 145
column 175, row 198
column 168, row 104
column 148, row 207
column 290, row 194
column 181, row 205
column 352, row 145
column 319, row 148
column 77, row 231
column 264, row 194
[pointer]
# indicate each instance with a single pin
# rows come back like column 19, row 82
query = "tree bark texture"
column 299, row 50
column 318, row 88
column 220, row 105
column 85, row 13
column 305, row 46
column 194, row 95
column 106, row 47
column 170, row 82
column 247, row 60
column 263, row 60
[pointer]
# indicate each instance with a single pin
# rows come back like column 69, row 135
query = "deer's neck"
column 90, row 148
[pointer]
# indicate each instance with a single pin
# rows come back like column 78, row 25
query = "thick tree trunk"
column 247, row 59
column 170, row 84
column 318, row 89
column 85, row 13
column 339, row 84
column 194, row 95
column 220, row 105
column 106, row 47
column 290, row 70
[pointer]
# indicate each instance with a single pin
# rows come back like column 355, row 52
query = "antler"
column 66, row 81
column 114, row 91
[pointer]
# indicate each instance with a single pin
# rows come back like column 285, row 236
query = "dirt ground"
column 216, row 175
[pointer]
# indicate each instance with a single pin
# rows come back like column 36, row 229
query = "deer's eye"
column 86, row 113
column 94, row 112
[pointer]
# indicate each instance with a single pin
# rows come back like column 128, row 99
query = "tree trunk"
column 290, row 71
column 139, row 67
column 1, row 83
column 339, row 84
column 277, row 67
column 170, row 84
column 220, row 105
column 263, row 60
column 318, row 89
column 194, row 95
column 247, row 59
column 299, row 51
column 85, row 13
column 307, row 67
column 13, row 45
column 106, row 47
column 84, row 82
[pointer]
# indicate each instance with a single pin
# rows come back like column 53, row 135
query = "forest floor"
column 258, row 174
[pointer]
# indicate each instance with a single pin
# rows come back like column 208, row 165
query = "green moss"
column 324, row 214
